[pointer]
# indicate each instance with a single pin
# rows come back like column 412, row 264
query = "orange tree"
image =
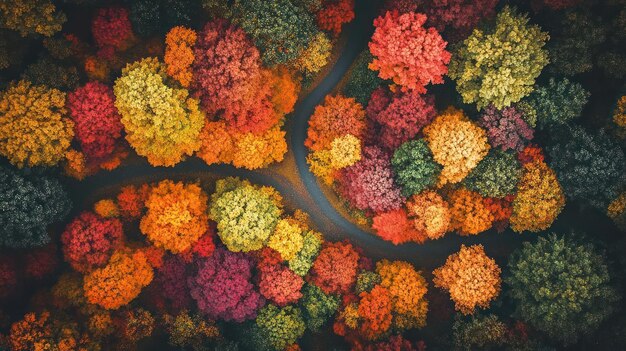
column 468, row 212
column 337, row 116
column 179, row 43
column 176, row 216
column 34, row 127
column 471, row 277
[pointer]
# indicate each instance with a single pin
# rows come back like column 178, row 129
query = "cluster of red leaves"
column 111, row 29
column 97, row 123
column 335, row 268
column 369, row 185
column 531, row 153
column 399, row 118
column 280, row 284
column 90, row 240
column 172, row 283
column 460, row 15
column 131, row 201
column 334, row 14
column 406, row 52
column 395, row 226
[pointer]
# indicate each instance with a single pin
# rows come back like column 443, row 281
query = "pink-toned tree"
column 279, row 284
column 459, row 15
column 506, row 128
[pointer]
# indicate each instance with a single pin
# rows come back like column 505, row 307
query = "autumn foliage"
column 179, row 56
column 337, row 116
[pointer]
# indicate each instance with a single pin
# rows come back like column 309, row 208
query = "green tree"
column 29, row 204
column 366, row 281
column 496, row 175
column 361, row 80
column 317, row 306
column 311, row 246
column 590, row 167
column 280, row 327
column 415, row 167
column 245, row 216
column 558, row 102
column 281, row 29
column 478, row 332
column 561, row 287
column 498, row 65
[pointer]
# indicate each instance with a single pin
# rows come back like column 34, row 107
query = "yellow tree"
column 162, row 123
column 34, row 128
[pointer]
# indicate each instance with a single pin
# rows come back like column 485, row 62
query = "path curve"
column 324, row 215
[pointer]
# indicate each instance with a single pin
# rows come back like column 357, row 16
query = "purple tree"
column 173, row 288
column 506, row 128
column 223, row 287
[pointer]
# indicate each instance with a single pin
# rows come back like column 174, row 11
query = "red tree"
column 280, row 285
column 335, row 268
column 41, row 262
column 403, row 118
column 408, row 53
column 8, row 276
column 228, row 79
column 111, row 28
column 334, row 14
column 172, row 283
column 460, row 15
column 97, row 123
column 395, row 226
column 89, row 241
column 369, row 185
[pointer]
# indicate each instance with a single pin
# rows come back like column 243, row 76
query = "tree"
column 245, row 216
column 131, row 200
column 562, row 287
column 336, row 117
column 52, row 73
column 150, row 17
column 120, row 281
column 171, row 278
column 414, row 166
column 539, row 198
column 361, row 80
column 90, row 240
column 506, row 128
column 499, row 65
column 162, row 123
column 190, row 330
column 279, row 284
column 281, row 326
column 106, row 208
column 468, row 212
column 457, row 144
column 253, row 151
column 395, row 226
column 403, row 118
column 429, row 213
column 311, row 246
column 619, row 114
column 34, row 129
column 281, row 29
column 179, row 55
column 317, row 307
column 558, row 102
column 375, row 309
column 222, row 287
column 407, row 290
column 406, row 52
column 31, row 17
column 345, row 151
column 369, row 183
column 484, row 332
column 335, row 268
column 29, row 205
column 617, row 210
column 575, row 40
column 471, row 277
column 176, row 216
column 96, row 121
column 334, row 14
column 590, row 167
column 460, row 16
column 496, row 175
column 111, row 28
column 286, row 239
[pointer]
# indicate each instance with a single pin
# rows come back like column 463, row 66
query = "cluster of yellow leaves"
column 430, row 214
column 34, row 127
column 176, row 217
column 179, row 43
column 106, row 208
column 31, row 16
column 287, row 239
column 617, row 210
column 321, row 164
column 120, row 281
column 100, row 324
column 248, row 150
column 162, row 123
column 75, row 164
column 350, row 315
column 316, row 55
column 345, row 151
column 471, row 277
column 469, row 215
column 407, row 290
column 539, row 198
column 457, row 144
